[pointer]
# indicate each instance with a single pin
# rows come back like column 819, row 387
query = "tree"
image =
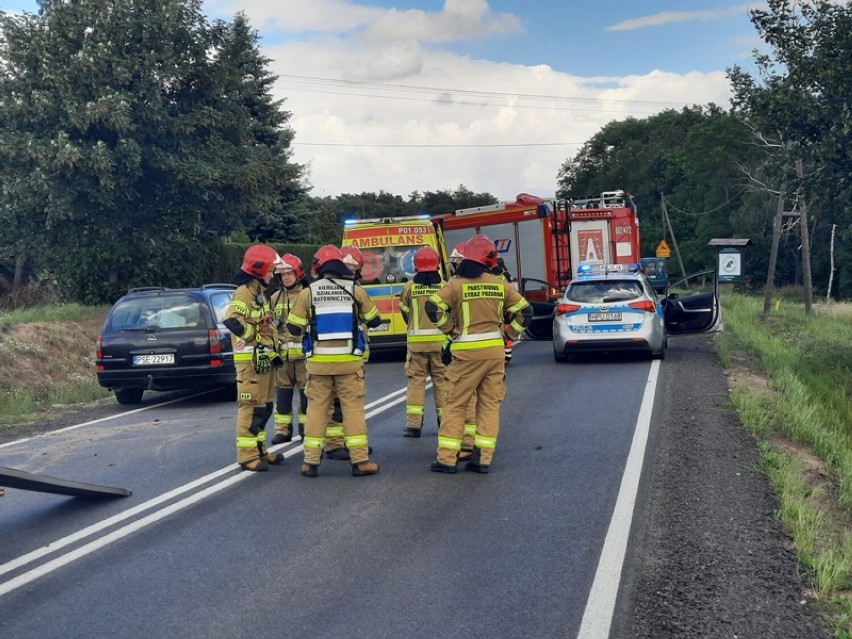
column 134, row 135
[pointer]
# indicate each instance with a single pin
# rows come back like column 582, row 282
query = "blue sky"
column 405, row 95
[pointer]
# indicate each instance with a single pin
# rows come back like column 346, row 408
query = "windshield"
column 604, row 291
column 389, row 265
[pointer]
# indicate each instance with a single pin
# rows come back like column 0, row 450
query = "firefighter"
column 292, row 375
column 249, row 318
column 424, row 341
column 466, row 451
column 330, row 312
column 470, row 309
column 334, row 444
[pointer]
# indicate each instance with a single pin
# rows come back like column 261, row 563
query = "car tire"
column 560, row 357
column 661, row 354
column 129, row 395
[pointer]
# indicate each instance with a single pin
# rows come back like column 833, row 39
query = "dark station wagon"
column 156, row 338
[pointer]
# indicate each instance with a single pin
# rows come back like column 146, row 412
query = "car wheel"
column 129, row 395
column 560, row 357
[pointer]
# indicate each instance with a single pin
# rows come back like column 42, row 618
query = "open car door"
column 691, row 305
column 543, row 297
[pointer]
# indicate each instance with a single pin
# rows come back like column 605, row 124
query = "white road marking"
column 600, row 605
column 385, row 402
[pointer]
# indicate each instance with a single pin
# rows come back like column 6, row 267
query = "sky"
column 413, row 95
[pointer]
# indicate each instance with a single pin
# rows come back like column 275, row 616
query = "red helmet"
column 458, row 252
column 426, row 259
column 482, row 250
column 259, row 260
column 290, row 262
column 326, row 254
column 352, row 257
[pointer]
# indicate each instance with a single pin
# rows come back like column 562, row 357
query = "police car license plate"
column 604, row 317
column 148, row 360
column 381, row 328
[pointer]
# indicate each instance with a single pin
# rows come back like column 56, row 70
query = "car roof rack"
column 143, row 289
column 219, row 285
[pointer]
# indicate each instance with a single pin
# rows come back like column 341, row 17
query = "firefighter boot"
column 438, row 467
column 475, row 466
column 255, row 465
column 282, row 438
column 339, row 454
column 365, row 468
column 411, row 432
column 273, row 458
column 309, row 470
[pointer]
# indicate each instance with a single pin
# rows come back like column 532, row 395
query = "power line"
column 435, row 146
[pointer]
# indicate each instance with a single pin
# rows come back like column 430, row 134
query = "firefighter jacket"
column 251, row 308
column 330, row 312
column 283, row 300
column 473, row 309
column 423, row 336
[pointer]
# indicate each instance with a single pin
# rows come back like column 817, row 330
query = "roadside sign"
column 663, row 249
column 730, row 265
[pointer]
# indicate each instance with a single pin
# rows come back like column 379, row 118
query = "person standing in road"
column 329, row 312
column 501, row 271
column 470, row 309
column 466, row 450
column 291, row 376
column 255, row 341
column 424, row 341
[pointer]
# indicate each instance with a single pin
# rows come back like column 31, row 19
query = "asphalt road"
column 202, row 549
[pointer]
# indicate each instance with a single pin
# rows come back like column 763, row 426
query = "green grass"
column 807, row 364
column 21, row 405
column 56, row 313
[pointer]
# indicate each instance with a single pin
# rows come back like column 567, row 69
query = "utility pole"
column 806, row 244
column 773, row 251
column 671, row 231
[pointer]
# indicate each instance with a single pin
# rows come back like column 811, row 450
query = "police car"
column 613, row 307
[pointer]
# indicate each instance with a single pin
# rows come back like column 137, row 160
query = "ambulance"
column 388, row 246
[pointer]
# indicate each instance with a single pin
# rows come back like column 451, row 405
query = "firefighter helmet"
column 326, row 256
column 259, row 260
column 290, row 262
column 352, row 257
column 426, row 259
column 482, row 250
column 458, row 253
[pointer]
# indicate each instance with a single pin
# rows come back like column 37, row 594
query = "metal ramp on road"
column 22, row 480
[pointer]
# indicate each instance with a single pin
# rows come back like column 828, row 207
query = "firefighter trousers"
column 419, row 366
column 255, row 392
column 484, row 380
column 351, row 390
column 290, row 377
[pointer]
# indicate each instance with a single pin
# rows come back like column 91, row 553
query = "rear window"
column 604, row 292
column 158, row 312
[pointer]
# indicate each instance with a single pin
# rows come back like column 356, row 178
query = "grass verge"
column 791, row 382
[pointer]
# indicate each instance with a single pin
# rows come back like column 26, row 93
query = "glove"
column 446, row 353
column 265, row 360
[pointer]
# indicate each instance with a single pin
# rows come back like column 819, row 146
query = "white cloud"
column 668, row 17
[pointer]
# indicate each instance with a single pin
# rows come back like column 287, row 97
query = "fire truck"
column 388, row 246
column 542, row 242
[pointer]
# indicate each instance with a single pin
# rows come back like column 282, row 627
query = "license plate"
column 381, row 328
column 604, row 317
column 148, row 360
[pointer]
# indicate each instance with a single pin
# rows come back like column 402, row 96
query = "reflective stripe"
column 426, row 331
column 421, row 339
column 297, row 320
column 514, row 308
column 480, row 441
column 283, row 418
column 246, row 442
column 332, row 350
column 476, row 337
column 471, row 346
column 440, row 411
column 334, row 430
column 314, row 442
column 413, row 409
column 355, row 440
column 450, row 443
column 242, row 357
column 470, row 429
column 335, row 358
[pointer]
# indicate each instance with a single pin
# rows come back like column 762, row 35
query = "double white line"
column 373, row 408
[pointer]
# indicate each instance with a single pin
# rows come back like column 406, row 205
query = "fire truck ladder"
column 561, row 232
column 22, row 480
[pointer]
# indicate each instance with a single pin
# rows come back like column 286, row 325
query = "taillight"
column 563, row 309
column 215, row 344
column 99, row 353
column 645, row 305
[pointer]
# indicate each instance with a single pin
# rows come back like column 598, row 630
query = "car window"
column 161, row 311
column 604, row 291
column 220, row 303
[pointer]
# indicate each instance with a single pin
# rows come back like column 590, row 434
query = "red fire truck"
column 542, row 242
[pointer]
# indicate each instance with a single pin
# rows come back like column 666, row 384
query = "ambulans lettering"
column 390, row 240
column 482, row 291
